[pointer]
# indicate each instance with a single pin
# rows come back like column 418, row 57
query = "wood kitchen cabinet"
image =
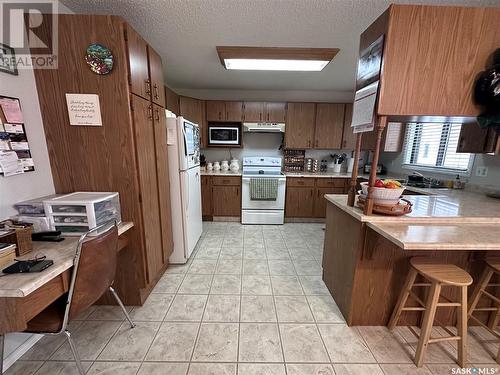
column 275, row 112
column 300, row 123
column 126, row 155
column 218, row 110
column 348, row 137
column 329, row 126
column 194, row 110
column 156, row 74
column 226, row 196
column 271, row 112
column 476, row 140
column 299, row 201
column 172, row 101
column 392, row 138
column 206, row 197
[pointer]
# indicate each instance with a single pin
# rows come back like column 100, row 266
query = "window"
column 434, row 146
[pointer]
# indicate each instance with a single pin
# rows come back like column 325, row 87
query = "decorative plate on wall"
column 99, row 58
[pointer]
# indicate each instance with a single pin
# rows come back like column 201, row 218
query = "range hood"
column 263, row 127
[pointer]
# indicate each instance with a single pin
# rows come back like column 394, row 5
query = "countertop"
column 62, row 253
column 220, row 173
column 465, row 236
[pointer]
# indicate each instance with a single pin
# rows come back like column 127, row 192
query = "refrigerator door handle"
column 188, row 190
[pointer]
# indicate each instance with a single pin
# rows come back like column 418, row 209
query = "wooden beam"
column 354, row 174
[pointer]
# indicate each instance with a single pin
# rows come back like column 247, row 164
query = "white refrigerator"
column 185, row 186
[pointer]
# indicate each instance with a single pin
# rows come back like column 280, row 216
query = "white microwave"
column 223, row 135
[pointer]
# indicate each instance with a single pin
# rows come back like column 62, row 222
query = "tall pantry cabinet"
column 128, row 153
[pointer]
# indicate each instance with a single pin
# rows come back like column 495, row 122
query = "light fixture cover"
column 276, row 58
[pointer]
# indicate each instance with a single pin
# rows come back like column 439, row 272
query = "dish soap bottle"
column 457, row 184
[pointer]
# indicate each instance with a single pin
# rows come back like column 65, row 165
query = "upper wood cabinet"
column 272, row 112
column 194, row 110
column 156, row 73
column 299, row 130
column 218, row 110
column 172, row 101
column 329, row 126
column 476, row 140
column 140, row 83
column 392, row 138
column 348, row 137
column 431, row 57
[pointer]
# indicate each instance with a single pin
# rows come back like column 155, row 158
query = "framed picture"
column 7, row 60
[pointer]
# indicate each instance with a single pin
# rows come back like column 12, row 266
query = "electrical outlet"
column 482, row 171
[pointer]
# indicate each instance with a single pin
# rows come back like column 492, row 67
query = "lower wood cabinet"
column 206, row 197
column 220, row 196
column 305, row 195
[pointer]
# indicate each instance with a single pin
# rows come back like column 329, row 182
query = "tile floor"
column 250, row 302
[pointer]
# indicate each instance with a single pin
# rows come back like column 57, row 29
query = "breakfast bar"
column 366, row 258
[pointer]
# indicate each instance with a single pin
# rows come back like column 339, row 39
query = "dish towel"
column 263, row 189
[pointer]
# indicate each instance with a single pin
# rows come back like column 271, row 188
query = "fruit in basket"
column 379, row 183
column 392, row 184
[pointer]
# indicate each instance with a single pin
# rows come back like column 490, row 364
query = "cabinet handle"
column 344, row 143
column 260, row 117
column 155, row 91
column 157, row 115
column 148, row 87
column 227, row 115
column 150, row 112
column 268, row 117
column 311, row 192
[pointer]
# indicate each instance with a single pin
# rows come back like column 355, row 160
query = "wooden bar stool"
column 438, row 275
column 492, row 268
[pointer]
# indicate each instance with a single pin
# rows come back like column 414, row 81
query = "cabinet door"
column 172, row 101
column 253, row 112
column 216, row 110
column 299, row 130
column 226, row 200
column 275, row 112
column 203, row 124
column 234, row 111
column 148, row 183
column 329, row 126
column 156, row 73
column 160, row 133
column 138, row 64
column 206, row 196
column 474, row 139
column 299, row 201
column 348, row 137
column 320, row 201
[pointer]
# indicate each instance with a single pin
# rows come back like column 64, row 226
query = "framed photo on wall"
column 8, row 60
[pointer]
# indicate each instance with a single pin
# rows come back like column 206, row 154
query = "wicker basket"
column 22, row 238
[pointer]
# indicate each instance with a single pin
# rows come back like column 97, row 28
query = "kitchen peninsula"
column 366, row 258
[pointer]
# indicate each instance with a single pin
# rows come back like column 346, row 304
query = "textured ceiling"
column 185, row 33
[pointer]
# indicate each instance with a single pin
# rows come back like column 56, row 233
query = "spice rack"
column 294, row 160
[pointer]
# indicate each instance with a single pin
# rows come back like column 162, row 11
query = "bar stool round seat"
column 448, row 274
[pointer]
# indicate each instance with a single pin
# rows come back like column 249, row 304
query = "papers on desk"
column 10, row 164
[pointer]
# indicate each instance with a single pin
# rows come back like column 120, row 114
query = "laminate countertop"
column 62, row 253
column 220, row 173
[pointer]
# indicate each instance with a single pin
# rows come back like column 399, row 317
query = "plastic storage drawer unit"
column 76, row 213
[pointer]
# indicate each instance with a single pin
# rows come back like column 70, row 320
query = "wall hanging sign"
column 15, row 153
column 7, row 60
column 99, row 58
column 84, row 109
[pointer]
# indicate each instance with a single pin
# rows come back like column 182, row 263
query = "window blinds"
column 434, row 145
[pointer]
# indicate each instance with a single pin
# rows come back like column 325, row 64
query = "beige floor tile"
column 196, row 284
column 281, row 268
column 211, row 241
column 148, row 368
column 313, row 285
column 130, row 344
column 173, row 342
column 257, row 309
column 357, row 369
column 254, row 242
column 260, row 343
column 102, row 312
column 208, row 253
column 261, row 369
column 203, row 266
column 482, row 346
column 309, row 369
column 258, row 253
column 344, row 344
column 301, row 253
column 229, row 266
column 169, row 283
column 90, row 338
column 111, row 368
column 325, row 310
column 277, row 253
column 154, row 309
column 236, row 241
column 441, row 369
column 178, row 268
column 307, row 268
column 24, row 368
column 400, row 369
column 61, row 368
column 256, row 285
column 212, row 369
column 293, row 309
column 255, row 267
column 226, row 284
column 232, row 252
column 386, row 346
column 217, row 342
column 286, row 285
column 302, row 343
column 222, row 309
column 187, row 307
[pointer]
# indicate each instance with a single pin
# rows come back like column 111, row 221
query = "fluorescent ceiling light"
column 275, row 64
column 276, row 58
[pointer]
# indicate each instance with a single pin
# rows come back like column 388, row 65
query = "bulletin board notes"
column 84, row 109
column 15, row 153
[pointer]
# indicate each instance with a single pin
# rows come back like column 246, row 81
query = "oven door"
column 248, row 204
column 220, row 135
